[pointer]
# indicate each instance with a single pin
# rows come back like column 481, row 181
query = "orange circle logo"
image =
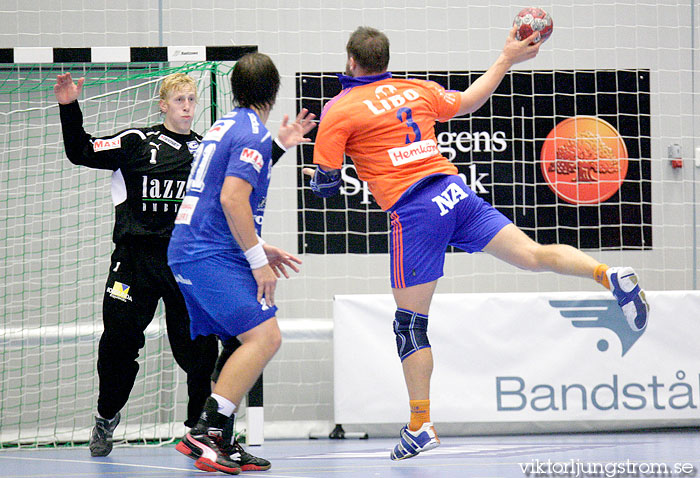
column 584, row 160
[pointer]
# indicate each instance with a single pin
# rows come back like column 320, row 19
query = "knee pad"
column 411, row 331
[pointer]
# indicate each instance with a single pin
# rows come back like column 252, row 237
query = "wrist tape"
column 256, row 255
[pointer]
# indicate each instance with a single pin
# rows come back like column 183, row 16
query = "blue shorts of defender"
column 221, row 296
column 438, row 211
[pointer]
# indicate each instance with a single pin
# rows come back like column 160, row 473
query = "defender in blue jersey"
column 226, row 273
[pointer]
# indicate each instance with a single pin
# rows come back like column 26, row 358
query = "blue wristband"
column 326, row 183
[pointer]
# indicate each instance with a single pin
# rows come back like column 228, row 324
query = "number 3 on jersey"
column 406, row 115
column 199, row 167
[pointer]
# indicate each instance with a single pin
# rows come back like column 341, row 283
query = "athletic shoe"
column 101, row 435
column 624, row 285
column 235, row 452
column 247, row 461
column 208, row 451
column 414, row 442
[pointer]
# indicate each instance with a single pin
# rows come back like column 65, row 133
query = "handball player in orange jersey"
column 386, row 125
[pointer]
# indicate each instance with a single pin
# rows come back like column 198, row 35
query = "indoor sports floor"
column 655, row 454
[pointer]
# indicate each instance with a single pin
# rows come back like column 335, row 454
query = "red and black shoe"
column 235, row 452
column 247, row 461
column 208, row 451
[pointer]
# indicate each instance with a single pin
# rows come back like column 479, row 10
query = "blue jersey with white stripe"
column 237, row 145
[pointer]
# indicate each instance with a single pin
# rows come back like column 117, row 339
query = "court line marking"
column 467, row 450
column 94, row 462
column 131, row 465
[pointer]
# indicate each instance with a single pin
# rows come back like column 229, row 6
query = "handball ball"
column 531, row 20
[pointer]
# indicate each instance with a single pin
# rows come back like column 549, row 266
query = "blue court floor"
column 656, row 454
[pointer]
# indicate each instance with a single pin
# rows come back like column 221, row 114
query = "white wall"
column 438, row 35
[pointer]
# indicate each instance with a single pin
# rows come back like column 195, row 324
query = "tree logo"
column 584, row 160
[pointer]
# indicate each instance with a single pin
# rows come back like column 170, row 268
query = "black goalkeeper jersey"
column 151, row 166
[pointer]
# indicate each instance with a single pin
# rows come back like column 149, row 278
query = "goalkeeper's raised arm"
column 75, row 138
column 83, row 149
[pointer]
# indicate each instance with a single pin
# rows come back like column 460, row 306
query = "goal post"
column 55, row 238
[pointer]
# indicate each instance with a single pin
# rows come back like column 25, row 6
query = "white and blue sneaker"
column 624, row 285
column 414, row 442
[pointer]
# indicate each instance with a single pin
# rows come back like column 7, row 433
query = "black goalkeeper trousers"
column 139, row 277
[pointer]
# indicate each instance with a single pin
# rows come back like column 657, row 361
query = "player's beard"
column 347, row 69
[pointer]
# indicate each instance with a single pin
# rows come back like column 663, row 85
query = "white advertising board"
column 522, row 357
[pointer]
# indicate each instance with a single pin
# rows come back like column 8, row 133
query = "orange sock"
column 420, row 414
column 600, row 276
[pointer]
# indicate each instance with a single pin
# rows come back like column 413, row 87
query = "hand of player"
column 278, row 259
column 66, row 90
column 267, row 281
column 293, row 134
column 518, row 51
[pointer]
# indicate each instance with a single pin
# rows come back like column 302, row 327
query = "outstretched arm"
column 290, row 135
column 76, row 141
column 513, row 52
column 66, row 90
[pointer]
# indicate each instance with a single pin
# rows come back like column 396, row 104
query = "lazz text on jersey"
column 161, row 193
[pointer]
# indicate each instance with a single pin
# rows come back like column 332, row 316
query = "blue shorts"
column 221, row 296
column 438, row 211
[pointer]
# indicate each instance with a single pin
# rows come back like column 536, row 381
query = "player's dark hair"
column 370, row 49
column 255, row 81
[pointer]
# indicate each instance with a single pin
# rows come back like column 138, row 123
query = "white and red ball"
column 533, row 19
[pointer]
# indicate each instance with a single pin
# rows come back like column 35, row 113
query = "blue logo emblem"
column 192, row 146
column 600, row 314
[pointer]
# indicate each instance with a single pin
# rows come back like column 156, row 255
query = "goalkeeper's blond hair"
column 177, row 82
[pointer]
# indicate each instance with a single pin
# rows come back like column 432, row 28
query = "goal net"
column 55, row 243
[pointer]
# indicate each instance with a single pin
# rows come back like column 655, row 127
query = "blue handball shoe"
column 414, row 442
column 624, row 285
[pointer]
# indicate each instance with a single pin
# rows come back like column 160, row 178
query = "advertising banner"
column 520, row 357
column 564, row 154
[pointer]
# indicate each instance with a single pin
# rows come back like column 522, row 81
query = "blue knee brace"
column 411, row 331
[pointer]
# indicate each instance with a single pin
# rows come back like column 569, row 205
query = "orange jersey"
column 387, row 127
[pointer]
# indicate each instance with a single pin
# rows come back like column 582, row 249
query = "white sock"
column 226, row 406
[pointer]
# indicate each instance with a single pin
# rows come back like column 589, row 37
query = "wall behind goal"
column 304, row 36
column 430, row 35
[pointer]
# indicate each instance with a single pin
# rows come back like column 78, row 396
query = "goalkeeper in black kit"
column 150, row 169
